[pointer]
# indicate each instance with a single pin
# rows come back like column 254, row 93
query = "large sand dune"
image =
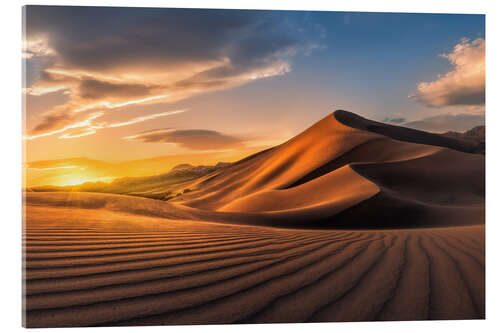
column 351, row 220
column 340, row 163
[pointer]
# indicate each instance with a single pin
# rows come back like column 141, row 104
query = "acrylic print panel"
column 195, row 166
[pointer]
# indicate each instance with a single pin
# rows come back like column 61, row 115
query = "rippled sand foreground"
column 83, row 270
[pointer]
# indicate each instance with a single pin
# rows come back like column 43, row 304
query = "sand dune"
column 339, row 164
column 88, row 267
column 351, row 220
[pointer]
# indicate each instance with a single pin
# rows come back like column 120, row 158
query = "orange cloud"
column 196, row 139
column 59, row 121
column 175, row 54
column 145, row 118
column 78, row 125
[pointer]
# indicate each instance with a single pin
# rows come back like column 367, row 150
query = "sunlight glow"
column 72, row 179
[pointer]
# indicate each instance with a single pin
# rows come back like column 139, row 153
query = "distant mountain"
column 186, row 168
column 182, row 166
column 447, row 122
column 476, row 134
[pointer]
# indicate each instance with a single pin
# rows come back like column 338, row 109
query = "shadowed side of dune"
column 443, row 189
column 446, row 188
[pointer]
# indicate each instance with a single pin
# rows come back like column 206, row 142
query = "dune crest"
column 407, row 134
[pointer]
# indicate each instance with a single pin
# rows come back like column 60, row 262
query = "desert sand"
column 351, row 220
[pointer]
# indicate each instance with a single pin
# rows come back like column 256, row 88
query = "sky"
column 126, row 84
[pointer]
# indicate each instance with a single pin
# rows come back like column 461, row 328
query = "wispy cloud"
column 464, row 85
column 145, row 118
column 395, row 118
column 80, row 132
column 54, row 168
column 79, row 128
column 60, row 121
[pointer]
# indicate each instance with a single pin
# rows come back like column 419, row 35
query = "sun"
column 75, row 179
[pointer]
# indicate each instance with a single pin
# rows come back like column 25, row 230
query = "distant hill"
column 476, row 134
column 163, row 186
column 447, row 122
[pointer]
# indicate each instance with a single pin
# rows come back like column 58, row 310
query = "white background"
column 10, row 159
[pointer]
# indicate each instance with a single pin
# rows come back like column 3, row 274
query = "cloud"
column 144, row 118
column 80, row 132
column 96, row 90
column 82, row 124
column 448, row 122
column 59, row 120
column 464, row 85
column 398, row 120
column 196, row 139
column 105, row 58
